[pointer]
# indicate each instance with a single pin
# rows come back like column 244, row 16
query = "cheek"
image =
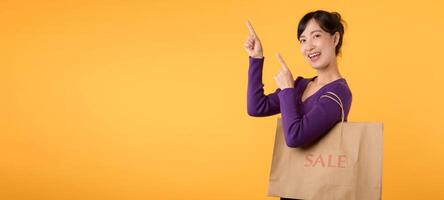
column 320, row 43
column 330, row 44
column 326, row 46
column 303, row 48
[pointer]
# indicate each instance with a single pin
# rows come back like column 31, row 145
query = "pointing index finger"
column 282, row 62
column 251, row 29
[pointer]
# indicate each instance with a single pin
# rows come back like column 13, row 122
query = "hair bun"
column 341, row 23
column 337, row 15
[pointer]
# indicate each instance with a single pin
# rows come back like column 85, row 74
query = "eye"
column 302, row 41
column 317, row 35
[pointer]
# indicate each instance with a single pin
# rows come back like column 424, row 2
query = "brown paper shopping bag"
column 345, row 164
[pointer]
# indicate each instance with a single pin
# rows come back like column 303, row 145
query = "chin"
column 318, row 66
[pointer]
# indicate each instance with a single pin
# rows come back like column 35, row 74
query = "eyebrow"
column 317, row 30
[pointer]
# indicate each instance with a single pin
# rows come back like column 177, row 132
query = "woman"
column 305, row 116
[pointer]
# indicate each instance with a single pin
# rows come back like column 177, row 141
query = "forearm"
column 259, row 104
column 292, row 120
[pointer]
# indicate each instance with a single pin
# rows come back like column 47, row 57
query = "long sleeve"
column 303, row 129
column 258, row 104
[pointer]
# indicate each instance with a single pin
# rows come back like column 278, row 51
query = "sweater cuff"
column 255, row 65
column 256, row 61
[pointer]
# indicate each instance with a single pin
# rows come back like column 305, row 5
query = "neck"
column 328, row 74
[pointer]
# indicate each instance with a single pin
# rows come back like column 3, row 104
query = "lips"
column 314, row 56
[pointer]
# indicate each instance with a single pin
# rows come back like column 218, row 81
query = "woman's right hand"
column 253, row 44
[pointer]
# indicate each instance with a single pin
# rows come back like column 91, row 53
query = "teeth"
column 313, row 55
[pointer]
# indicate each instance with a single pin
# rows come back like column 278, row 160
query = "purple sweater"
column 302, row 122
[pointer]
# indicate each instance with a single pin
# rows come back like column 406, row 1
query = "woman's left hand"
column 284, row 78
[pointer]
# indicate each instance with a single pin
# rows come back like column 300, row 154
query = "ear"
column 336, row 38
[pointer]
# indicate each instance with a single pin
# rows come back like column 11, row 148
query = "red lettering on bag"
column 341, row 159
column 330, row 164
column 333, row 161
column 319, row 160
column 308, row 158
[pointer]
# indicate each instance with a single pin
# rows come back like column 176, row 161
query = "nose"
column 309, row 46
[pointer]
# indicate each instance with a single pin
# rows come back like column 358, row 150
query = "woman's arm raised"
column 258, row 104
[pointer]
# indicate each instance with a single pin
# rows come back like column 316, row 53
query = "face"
column 318, row 46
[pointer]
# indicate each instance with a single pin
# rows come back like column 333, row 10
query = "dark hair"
column 330, row 22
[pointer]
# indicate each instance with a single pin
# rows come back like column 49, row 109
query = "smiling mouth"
column 314, row 56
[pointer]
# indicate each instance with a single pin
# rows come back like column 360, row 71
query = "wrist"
column 287, row 87
column 257, row 56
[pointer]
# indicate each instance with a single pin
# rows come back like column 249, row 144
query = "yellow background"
column 147, row 99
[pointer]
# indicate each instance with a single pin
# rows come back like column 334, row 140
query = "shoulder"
column 299, row 80
column 342, row 90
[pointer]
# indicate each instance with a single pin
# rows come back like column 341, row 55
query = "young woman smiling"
column 305, row 116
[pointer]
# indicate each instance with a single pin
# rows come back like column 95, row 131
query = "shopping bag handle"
column 339, row 102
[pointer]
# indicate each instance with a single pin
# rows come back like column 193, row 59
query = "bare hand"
column 252, row 44
column 284, row 78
